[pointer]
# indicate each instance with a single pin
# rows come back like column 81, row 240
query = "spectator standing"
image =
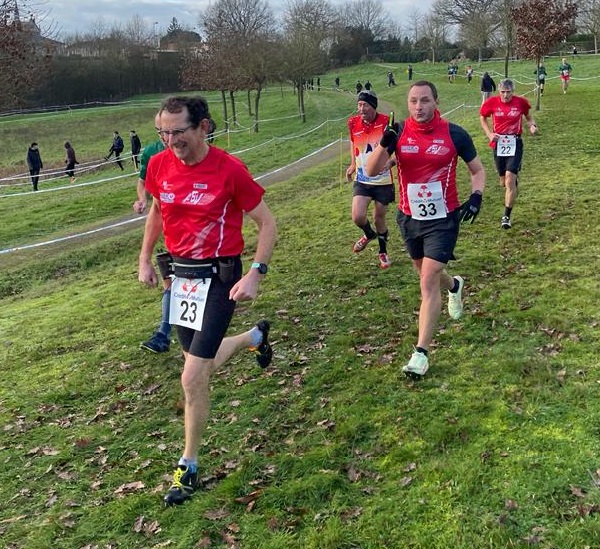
column 359, row 87
column 488, row 86
column 410, row 72
column 136, row 147
column 34, row 163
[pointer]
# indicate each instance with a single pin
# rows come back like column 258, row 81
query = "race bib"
column 426, row 200
column 506, row 146
column 188, row 300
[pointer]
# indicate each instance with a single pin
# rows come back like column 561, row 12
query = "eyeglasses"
column 175, row 133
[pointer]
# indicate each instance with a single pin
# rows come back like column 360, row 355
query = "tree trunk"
column 249, row 104
column 225, row 117
column 538, row 94
column 256, row 100
column 233, row 113
column 301, row 103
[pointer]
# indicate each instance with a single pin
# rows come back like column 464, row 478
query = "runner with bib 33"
column 427, row 149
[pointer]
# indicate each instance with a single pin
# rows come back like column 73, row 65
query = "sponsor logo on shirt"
column 437, row 149
column 195, row 198
column 167, row 198
column 200, row 186
column 412, row 149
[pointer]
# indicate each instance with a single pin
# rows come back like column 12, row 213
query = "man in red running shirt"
column 427, row 149
column 507, row 110
column 200, row 195
column 366, row 129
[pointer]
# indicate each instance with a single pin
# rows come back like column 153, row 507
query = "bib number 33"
column 426, row 200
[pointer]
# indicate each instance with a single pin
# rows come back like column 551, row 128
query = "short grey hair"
column 507, row 83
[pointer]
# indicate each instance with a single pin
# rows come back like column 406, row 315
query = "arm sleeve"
column 463, row 143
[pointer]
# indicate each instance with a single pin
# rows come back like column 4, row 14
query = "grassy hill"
column 331, row 447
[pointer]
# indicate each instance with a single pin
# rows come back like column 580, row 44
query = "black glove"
column 470, row 209
column 389, row 139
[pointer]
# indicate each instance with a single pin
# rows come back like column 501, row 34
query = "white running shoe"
column 455, row 305
column 384, row 261
column 417, row 366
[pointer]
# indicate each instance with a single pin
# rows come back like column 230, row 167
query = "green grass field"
column 331, row 447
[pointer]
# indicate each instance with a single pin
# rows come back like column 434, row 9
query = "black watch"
column 261, row 267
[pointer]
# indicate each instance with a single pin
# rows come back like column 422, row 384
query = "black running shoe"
column 264, row 351
column 184, row 484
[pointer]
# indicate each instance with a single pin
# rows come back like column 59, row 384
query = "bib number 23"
column 188, row 300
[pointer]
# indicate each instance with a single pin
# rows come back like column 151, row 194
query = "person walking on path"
column 366, row 129
column 70, row 161
column 506, row 111
column 116, row 147
column 35, row 164
column 427, row 148
column 201, row 195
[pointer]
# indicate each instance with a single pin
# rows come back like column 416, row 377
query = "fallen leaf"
column 216, row 514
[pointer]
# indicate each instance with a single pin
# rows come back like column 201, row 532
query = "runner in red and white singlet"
column 427, row 149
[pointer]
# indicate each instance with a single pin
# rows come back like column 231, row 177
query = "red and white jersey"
column 428, row 155
column 506, row 117
column 203, row 205
column 365, row 137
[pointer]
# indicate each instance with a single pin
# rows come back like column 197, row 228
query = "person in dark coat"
column 70, row 161
column 136, row 147
column 488, row 86
column 34, row 162
column 116, row 147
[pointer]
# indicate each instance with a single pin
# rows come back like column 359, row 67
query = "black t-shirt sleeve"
column 463, row 143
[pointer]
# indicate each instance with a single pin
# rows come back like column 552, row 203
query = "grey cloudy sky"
column 69, row 16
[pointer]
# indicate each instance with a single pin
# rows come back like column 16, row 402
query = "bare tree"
column 367, row 14
column 435, row 30
column 589, row 19
column 476, row 20
column 540, row 25
column 240, row 32
column 22, row 54
column 138, row 32
column 307, row 28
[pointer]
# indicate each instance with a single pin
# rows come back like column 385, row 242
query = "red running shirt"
column 203, row 205
column 506, row 117
column 431, row 154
